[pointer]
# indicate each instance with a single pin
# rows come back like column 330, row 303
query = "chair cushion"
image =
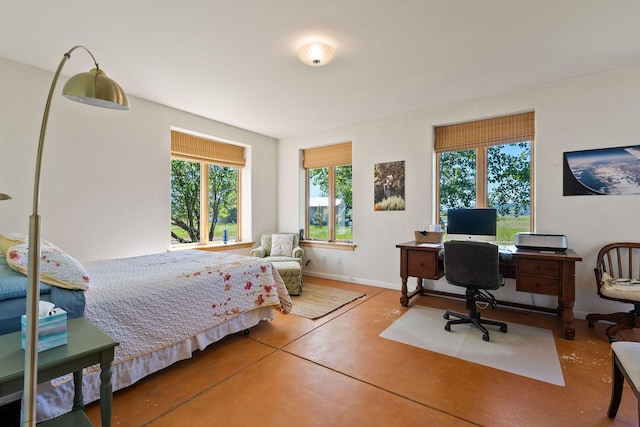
column 281, row 259
column 626, row 289
column 281, row 245
column 628, row 353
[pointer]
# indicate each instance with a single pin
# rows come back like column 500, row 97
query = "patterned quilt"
column 151, row 302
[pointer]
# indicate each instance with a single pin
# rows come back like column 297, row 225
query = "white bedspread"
column 150, row 302
column 162, row 307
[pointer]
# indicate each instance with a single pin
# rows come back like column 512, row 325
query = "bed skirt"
column 56, row 397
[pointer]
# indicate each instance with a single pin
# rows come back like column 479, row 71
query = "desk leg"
column 78, row 405
column 404, row 299
column 405, row 295
column 567, row 299
column 566, row 316
column 106, row 394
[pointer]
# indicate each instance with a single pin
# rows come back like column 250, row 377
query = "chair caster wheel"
column 485, row 337
column 503, row 329
column 445, row 316
column 447, row 328
column 591, row 324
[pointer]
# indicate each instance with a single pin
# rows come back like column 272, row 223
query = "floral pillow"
column 56, row 267
column 281, row 244
column 11, row 239
column 7, row 240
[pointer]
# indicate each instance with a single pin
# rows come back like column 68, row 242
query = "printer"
column 542, row 242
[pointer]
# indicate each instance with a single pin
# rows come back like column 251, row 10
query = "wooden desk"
column 87, row 346
column 538, row 272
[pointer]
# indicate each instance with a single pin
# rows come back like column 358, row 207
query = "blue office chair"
column 475, row 266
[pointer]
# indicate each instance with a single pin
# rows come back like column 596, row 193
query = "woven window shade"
column 194, row 148
column 330, row 155
column 484, row 133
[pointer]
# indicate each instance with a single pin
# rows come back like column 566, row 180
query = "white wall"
column 105, row 181
column 106, row 174
column 591, row 112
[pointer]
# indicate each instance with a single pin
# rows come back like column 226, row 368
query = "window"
column 488, row 163
column 205, row 189
column 329, row 194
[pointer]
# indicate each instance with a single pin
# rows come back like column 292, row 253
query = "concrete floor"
column 337, row 371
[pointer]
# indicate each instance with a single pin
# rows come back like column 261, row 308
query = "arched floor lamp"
column 93, row 88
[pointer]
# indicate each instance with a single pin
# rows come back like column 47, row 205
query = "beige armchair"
column 279, row 247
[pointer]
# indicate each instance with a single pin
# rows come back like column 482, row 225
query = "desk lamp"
column 93, row 88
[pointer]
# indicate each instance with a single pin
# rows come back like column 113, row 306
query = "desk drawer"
column 538, row 268
column 538, row 285
column 422, row 264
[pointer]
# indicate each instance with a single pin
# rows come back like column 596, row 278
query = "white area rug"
column 523, row 350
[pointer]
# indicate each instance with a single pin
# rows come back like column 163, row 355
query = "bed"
column 163, row 307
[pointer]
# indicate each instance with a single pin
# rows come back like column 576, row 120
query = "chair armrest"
column 297, row 252
column 259, row 252
column 598, row 278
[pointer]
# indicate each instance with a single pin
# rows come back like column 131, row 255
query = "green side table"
column 86, row 346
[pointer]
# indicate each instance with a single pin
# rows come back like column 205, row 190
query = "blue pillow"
column 14, row 284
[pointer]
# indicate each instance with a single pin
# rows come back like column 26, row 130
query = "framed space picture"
column 388, row 186
column 605, row 171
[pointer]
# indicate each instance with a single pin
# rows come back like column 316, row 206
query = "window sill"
column 341, row 246
column 212, row 247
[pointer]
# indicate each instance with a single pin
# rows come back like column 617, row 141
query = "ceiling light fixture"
column 316, row 54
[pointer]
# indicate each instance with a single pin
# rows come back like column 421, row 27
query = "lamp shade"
column 95, row 88
column 316, row 54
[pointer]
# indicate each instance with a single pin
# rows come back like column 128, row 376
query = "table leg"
column 78, row 404
column 404, row 299
column 567, row 299
column 566, row 316
column 405, row 296
column 106, row 395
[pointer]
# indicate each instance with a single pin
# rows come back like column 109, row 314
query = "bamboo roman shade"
column 484, row 133
column 194, row 148
column 328, row 156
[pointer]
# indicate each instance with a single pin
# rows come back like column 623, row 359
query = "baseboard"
column 361, row 281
